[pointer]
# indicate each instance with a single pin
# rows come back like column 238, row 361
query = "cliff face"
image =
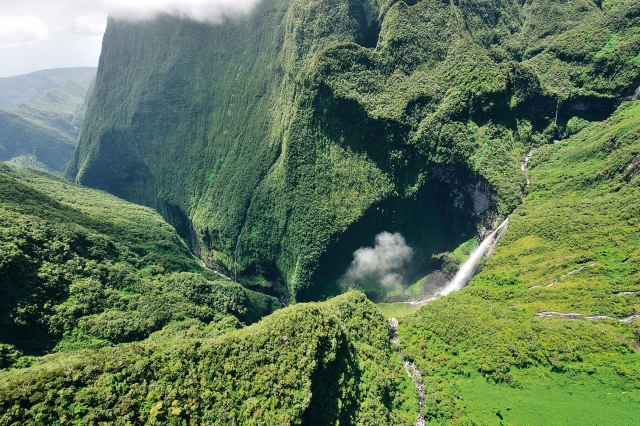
column 279, row 143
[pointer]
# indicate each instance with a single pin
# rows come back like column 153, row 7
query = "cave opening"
column 438, row 219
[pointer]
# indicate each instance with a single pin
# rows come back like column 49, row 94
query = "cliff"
column 280, row 142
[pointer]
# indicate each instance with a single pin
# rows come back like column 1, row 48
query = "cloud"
column 199, row 10
column 382, row 263
column 25, row 22
column 22, row 29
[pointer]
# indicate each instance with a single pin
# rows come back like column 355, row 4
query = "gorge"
column 260, row 206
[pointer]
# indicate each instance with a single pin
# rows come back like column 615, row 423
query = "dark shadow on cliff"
column 331, row 402
column 430, row 223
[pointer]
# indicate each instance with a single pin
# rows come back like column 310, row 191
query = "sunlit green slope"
column 328, row 363
column 572, row 247
column 80, row 268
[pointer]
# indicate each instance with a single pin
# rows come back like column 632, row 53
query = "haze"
column 40, row 34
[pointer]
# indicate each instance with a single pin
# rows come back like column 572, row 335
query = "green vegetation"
column 140, row 333
column 323, row 363
column 543, row 397
column 43, row 133
column 280, row 143
column 32, row 143
column 482, row 350
column 581, row 213
column 396, row 310
column 82, row 269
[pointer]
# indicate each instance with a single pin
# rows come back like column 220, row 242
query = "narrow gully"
column 412, row 372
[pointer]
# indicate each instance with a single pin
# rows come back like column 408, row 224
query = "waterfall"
column 466, row 271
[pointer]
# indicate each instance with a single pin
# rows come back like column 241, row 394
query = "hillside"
column 329, row 363
column 80, row 268
column 109, row 289
column 26, row 88
column 279, row 143
column 42, row 132
column 549, row 331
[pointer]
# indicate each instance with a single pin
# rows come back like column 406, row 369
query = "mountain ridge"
column 41, row 123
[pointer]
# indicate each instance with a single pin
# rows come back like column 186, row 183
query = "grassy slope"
column 482, row 351
column 308, row 364
column 81, row 268
column 280, row 143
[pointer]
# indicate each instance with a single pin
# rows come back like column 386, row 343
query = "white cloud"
column 34, row 21
column 22, row 29
column 89, row 25
column 382, row 263
column 38, row 34
column 29, row 22
column 200, row 10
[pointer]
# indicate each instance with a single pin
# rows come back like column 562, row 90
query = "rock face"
column 280, row 142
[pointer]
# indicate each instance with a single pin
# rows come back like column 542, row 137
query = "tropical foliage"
column 571, row 248
column 81, row 269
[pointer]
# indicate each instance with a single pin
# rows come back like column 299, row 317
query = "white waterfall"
column 465, row 273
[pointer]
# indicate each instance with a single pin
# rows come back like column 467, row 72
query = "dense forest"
column 195, row 264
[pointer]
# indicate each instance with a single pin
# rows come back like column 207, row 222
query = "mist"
column 382, row 263
column 33, row 21
column 41, row 34
column 211, row 11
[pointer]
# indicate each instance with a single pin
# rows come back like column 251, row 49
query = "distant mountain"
column 40, row 124
column 26, row 142
column 28, row 87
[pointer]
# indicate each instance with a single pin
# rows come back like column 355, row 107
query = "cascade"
column 466, row 271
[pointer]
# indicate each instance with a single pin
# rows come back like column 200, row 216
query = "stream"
column 412, row 372
column 524, row 164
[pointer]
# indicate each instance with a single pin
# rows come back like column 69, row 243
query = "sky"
column 45, row 34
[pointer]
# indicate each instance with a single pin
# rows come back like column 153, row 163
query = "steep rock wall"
column 272, row 140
